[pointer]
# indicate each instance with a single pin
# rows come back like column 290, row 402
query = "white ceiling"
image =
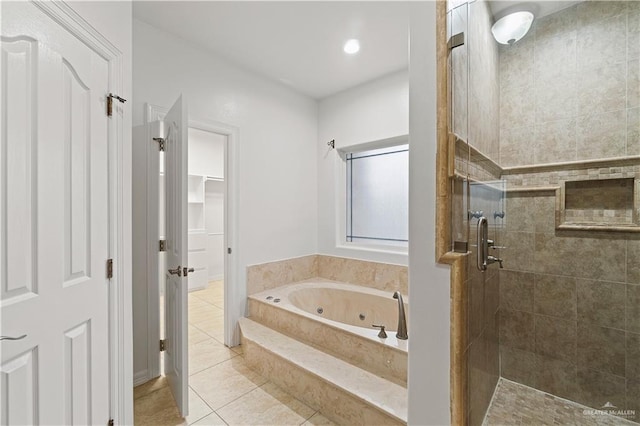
column 539, row 8
column 298, row 43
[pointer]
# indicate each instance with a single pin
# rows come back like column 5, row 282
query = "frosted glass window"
column 378, row 196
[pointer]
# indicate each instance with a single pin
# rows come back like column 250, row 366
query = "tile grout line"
column 217, row 341
column 234, row 400
column 310, row 417
column 210, row 407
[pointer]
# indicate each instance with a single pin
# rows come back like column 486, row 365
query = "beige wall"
column 569, row 300
column 570, row 89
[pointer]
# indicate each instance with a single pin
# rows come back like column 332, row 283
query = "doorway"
column 206, row 212
column 209, row 229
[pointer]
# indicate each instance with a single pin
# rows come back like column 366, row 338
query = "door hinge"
column 160, row 143
column 110, row 422
column 110, row 98
column 162, row 246
column 163, row 345
column 228, row 250
column 109, row 268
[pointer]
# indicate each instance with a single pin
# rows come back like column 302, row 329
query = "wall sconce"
column 512, row 27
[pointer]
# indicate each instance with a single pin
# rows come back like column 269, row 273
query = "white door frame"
column 121, row 392
column 232, row 295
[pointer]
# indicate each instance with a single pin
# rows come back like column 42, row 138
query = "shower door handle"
column 483, row 243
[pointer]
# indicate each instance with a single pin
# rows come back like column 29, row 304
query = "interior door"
column 176, row 355
column 54, row 216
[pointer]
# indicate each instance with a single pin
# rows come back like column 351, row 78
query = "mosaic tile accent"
column 472, row 162
column 516, row 404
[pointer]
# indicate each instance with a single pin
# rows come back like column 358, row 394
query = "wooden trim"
column 443, row 187
column 459, row 341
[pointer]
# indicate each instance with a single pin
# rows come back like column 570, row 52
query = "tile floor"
column 222, row 389
column 516, row 404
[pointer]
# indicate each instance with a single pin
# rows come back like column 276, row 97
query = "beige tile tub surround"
column 342, row 392
column 369, row 353
column 274, row 274
column 382, row 276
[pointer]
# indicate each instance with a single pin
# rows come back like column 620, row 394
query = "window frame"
column 341, row 198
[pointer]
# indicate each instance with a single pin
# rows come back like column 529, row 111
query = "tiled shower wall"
column 475, row 67
column 476, row 122
column 569, row 307
column 570, row 300
column 570, row 89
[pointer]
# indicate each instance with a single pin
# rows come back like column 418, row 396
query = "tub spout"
column 402, row 319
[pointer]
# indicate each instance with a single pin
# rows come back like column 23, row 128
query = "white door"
column 176, row 355
column 54, row 217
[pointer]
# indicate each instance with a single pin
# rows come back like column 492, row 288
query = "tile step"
column 366, row 389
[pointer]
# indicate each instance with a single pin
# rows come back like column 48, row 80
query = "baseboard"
column 141, row 377
column 216, row 277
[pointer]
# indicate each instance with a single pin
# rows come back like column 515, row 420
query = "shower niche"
column 607, row 204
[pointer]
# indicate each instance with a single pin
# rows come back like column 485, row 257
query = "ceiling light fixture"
column 351, row 46
column 512, row 27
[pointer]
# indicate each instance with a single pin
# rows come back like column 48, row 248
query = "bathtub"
column 338, row 318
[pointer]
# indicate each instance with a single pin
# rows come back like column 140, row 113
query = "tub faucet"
column 401, row 332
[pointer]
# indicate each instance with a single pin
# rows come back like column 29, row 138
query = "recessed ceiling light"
column 351, row 46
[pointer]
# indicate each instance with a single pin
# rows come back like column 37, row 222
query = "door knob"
column 13, row 338
column 187, row 270
column 177, row 271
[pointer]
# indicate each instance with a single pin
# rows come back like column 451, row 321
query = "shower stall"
column 545, row 182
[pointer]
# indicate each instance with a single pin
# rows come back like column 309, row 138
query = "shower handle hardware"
column 177, row 271
column 498, row 215
column 492, row 245
column 185, row 271
column 382, row 334
column 483, row 243
column 16, row 338
column 493, row 259
column 484, row 259
column 475, row 215
column 332, row 144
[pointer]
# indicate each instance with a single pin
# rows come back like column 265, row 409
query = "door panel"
column 176, row 358
column 19, row 384
column 55, row 224
column 18, row 74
